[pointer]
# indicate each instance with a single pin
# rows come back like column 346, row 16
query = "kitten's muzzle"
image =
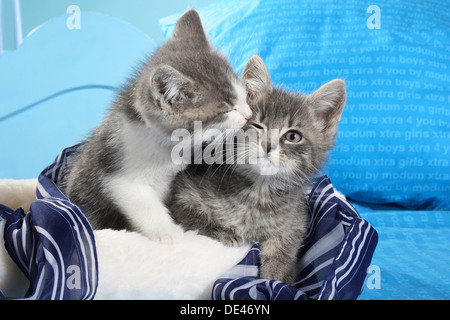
column 245, row 111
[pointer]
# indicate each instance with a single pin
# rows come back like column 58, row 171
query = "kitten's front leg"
column 191, row 212
column 227, row 237
column 278, row 259
column 141, row 204
column 159, row 226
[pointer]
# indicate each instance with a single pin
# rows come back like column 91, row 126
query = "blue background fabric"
column 394, row 136
column 412, row 254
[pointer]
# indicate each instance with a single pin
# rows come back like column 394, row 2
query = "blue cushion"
column 412, row 257
column 394, row 137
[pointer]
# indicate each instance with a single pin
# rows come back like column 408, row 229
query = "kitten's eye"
column 293, row 136
column 257, row 126
column 224, row 109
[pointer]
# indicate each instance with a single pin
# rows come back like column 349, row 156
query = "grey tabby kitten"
column 264, row 201
column 124, row 170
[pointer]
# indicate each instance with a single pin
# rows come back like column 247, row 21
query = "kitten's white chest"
column 141, row 185
column 147, row 160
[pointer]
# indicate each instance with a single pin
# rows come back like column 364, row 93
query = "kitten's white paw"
column 169, row 234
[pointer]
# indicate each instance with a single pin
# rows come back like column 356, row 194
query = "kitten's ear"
column 171, row 89
column 327, row 104
column 256, row 79
column 189, row 25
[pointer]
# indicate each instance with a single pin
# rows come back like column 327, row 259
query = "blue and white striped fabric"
column 53, row 244
column 333, row 260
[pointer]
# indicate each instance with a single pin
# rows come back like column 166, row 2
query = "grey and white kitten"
column 264, row 201
column 124, row 170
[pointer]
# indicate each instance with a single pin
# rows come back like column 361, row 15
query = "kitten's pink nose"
column 246, row 112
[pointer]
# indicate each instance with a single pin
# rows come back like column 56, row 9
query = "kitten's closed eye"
column 257, row 126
